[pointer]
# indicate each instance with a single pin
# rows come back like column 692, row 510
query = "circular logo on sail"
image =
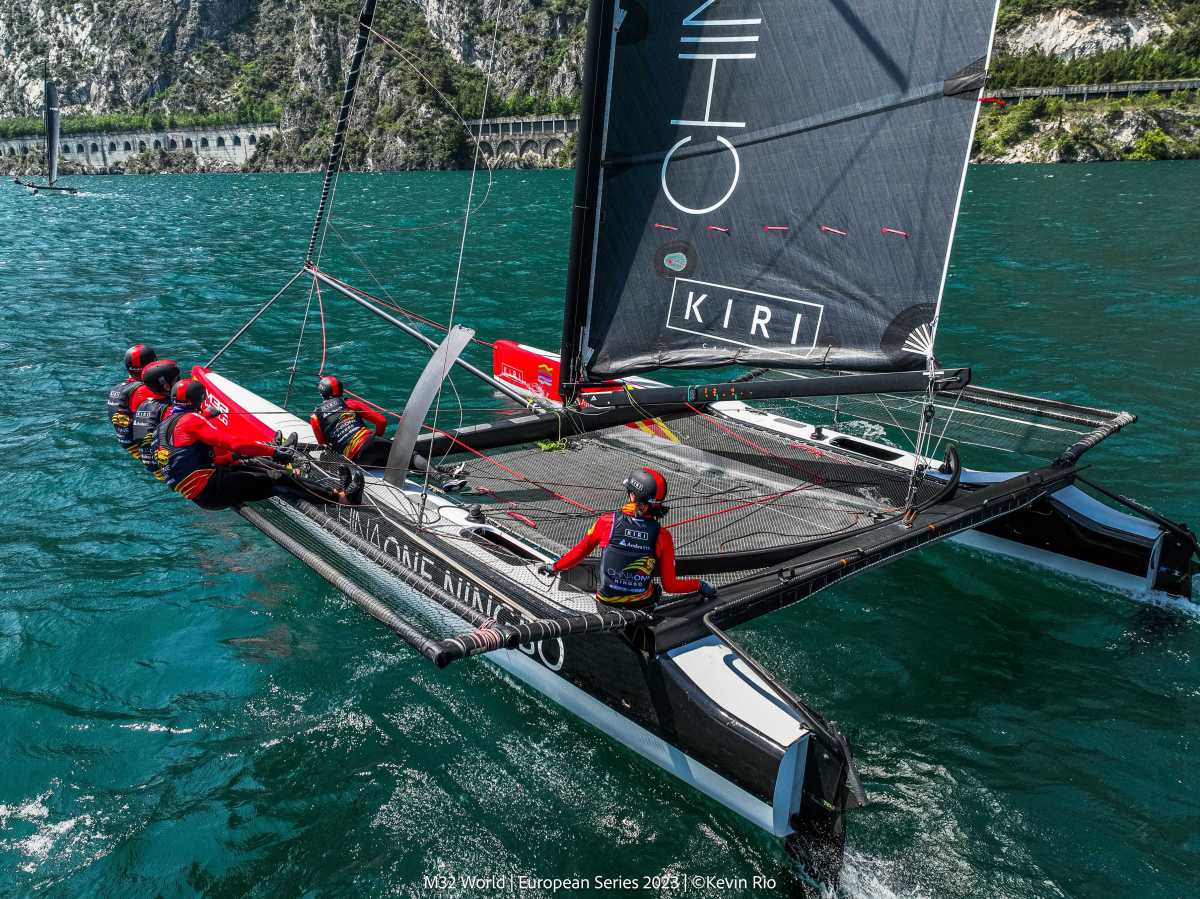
column 676, row 257
column 676, row 262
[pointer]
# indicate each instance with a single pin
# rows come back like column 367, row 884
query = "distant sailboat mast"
column 52, row 127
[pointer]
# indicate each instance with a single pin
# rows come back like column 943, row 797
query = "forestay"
column 779, row 182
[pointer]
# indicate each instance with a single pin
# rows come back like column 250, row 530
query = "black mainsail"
column 51, row 120
column 51, row 115
column 738, row 201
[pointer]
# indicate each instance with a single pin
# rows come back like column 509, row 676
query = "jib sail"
column 51, row 131
column 769, row 183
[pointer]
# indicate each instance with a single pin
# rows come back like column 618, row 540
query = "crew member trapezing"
column 158, row 377
column 201, row 461
column 124, row 398
column 635, row 548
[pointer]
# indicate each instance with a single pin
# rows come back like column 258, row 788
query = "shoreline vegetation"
column 408, row 121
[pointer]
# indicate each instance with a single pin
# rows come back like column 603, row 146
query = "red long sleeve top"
column 664, row 551
column 369, row 415
column 140, row 395
column 194, row 428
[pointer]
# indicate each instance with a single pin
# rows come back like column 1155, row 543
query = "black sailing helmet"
column 329, row 387
column 647, row 486
column 189, row 393
column 161, row 376
column 138, row 357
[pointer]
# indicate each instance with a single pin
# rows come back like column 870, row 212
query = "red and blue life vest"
column 628, row 562
column 186, row 469
column 342, row 426
column 145, row 423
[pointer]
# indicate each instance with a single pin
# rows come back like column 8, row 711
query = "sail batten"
column 777, row 183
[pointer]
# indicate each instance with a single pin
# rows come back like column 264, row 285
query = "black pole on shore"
column 334, row 162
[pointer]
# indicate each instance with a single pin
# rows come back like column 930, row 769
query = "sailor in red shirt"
column 635, row 549
column 200, row 461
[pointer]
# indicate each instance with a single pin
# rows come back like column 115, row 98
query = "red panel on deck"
column 231, row 416
column 526, row 368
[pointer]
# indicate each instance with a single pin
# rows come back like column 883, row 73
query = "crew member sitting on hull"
column 635, row 548
column 158, row 377
column 342, row 423
column 124, row 398
column 200, row 461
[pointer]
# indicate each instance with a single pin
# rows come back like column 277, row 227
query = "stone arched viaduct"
column 106, row 152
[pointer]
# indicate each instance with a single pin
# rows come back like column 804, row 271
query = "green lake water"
column 185, row 710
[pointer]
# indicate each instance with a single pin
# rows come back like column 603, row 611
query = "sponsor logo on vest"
column 713, row 41
column 748, row 318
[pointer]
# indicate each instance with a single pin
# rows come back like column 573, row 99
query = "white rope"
column 299, row 343
column 338, row 173
column 462, row 249
column 924, row 431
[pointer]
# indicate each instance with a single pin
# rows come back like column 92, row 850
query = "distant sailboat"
column 52, row 126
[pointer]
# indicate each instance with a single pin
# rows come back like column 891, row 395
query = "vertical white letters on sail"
column 703, row 48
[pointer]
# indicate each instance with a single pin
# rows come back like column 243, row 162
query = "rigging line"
column 255, row 317
column 462, row 245
column 937, row 446
column 353, row 252
column 813, row 479
column 770, row 497
column 321, row 310
column 511, row 471
column 337, row 172
column 923, row 433
column 333, row 163
column 407, row 59
column 287, row 396
column 408, row 313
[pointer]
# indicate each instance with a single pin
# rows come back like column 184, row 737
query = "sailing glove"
column 707, row 590
column 545, row 569
column 283, row 455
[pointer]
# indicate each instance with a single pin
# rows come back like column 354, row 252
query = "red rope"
column 768, row 498
column 515, row 473
column 814, row 479
column 384, row 409
column 408, row 313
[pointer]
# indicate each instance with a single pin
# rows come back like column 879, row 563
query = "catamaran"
column 761, row 187
column 51, row 116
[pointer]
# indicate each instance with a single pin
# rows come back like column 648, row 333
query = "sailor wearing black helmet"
column 201, row 462
column 158, row 377
column 124, row 398
column 635, row 548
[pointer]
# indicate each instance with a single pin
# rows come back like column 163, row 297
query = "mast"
column 588, row 168
column 51, row 115
column 334, row 163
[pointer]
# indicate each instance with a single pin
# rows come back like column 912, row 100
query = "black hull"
column 621, row 671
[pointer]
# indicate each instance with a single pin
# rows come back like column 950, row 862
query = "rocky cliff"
column 282, row 60
column 251, row 59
